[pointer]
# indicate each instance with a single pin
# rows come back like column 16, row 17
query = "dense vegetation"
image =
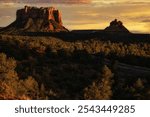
column 52, row 68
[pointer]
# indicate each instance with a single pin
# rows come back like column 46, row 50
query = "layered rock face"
column 116, row 26
column 49, row 13
column 32, row 19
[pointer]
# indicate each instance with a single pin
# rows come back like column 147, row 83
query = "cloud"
column 119, row 1
column 7, row 16
column 47, row 1
column 146, row 20
column 79, row 1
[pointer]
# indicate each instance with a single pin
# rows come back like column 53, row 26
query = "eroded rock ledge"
column 33, row 19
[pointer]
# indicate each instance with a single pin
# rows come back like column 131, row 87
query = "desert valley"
column 41, row 59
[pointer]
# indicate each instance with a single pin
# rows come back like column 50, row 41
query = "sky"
column 87, row 14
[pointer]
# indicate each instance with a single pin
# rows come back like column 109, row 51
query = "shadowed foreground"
column 54, row 68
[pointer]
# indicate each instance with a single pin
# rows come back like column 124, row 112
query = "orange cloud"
column 47, row 1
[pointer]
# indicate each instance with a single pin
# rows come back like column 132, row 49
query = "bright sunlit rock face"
column 89, row 14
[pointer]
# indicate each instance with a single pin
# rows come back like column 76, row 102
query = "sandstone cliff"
column 116, row 26
column 32, row 19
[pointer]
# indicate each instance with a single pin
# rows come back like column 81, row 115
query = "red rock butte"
column 47, row 13
column 33, row 19
column 116, row 26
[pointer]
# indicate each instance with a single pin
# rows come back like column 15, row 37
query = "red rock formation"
column 32, row 19
column 45, row 13
column 116, row 26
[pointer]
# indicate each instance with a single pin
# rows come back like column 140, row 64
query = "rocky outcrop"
column 33, row 19
column 49, row 13
column 116, row 26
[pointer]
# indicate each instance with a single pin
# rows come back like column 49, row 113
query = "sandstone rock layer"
column 33, row 19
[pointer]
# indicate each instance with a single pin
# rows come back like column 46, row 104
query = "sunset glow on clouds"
column 94, row 14
column 46, row 1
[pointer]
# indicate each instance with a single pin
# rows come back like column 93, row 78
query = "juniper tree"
column 100, row 89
